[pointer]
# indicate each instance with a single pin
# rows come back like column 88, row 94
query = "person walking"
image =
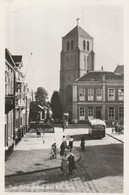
column 71, row 143
column 64, row 164
column 62, row 149
column 53, row 151
column 64, row 141
column 71, row 164
column 43, row 137
column 63, row 126
column 83, row 143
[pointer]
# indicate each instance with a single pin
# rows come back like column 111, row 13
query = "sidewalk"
column 119, row 137
column 32, row 155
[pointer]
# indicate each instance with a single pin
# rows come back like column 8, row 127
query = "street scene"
column 98, row 169
column 64, row 97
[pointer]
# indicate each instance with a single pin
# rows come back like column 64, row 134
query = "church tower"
column 76, row 59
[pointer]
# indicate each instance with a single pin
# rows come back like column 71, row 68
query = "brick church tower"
column 77, row 58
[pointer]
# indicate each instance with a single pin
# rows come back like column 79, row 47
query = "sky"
column 34, row 29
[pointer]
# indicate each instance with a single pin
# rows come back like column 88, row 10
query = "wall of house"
column 101, row 106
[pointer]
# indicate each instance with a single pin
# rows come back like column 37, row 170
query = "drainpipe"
column 104, row 93
column 26, row 114
column 14, row 115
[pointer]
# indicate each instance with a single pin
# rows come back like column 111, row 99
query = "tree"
column 56, row 105
column 41, row 96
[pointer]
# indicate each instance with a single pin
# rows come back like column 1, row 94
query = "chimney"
column 101, row 67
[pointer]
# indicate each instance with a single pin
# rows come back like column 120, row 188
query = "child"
column 53, row 151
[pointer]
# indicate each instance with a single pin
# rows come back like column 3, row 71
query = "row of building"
column 85, row 92
column 17, row 101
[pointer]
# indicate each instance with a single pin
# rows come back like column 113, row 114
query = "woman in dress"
column 71, row 164
column 62, row 149
column 64, row 164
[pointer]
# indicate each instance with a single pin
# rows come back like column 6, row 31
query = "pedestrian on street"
column 71, row 165
column 71, row 143
column 62, row 149
column 63, row 126
column 64, row 164
column 43, row 137
column 83, row 143
column 53, row 151
column 64, row 141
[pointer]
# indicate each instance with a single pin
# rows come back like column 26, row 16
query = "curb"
column 36, row 171
column 115, row 138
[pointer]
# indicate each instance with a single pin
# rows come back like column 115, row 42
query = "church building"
column 84, row 92
column 77, row 58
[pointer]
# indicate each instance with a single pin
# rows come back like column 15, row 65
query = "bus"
column 97, row 128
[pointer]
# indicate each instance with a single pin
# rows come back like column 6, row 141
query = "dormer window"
column 71, row 44
column 84, row 44
column 67, row 45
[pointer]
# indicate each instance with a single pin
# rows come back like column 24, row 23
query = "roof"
column 42, row 107
column 9, row 58
column 17, row 58
column 96, row 121
column 99, row 76
column 78, row 31
column 119, row 69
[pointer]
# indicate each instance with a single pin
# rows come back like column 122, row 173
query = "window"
column 111, row 113
column 84, row 44
column 121, row 94
column 88, row 45
column 67, row 45
column 82, row 113
column 111, row 94
column 71, row 44
column 121, row 113
column 99, row 94
column 90, row 112
column 90, row 94
column 81, row 94
column 9, row 82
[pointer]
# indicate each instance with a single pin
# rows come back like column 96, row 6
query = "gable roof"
column 17, row 58
column 78, row 31
column 9, row 58
column 119, row 69
column 99, row 76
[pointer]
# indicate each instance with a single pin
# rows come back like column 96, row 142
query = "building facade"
column 99, row 94
column 77, row 58
column 9, row 99
column 17, row 100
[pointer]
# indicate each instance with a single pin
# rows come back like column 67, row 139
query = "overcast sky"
column 38, row 27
